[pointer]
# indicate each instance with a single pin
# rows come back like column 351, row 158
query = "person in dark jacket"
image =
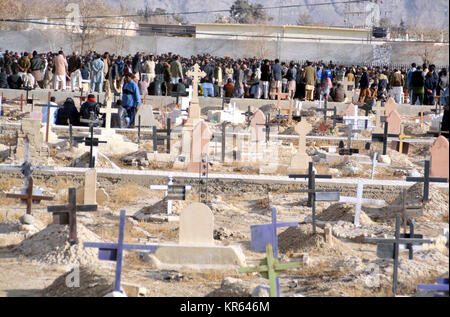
column 3, row 78
column 91, row 105
column 15, row 81
column 418, row 86
column 430, row 86
column 68, row 113
column 266, row 70
column 37, row 66
column 364, row 85
column 119, row 120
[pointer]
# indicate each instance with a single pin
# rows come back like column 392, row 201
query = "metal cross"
column 441, row 286
column 426, row 180
column 271, row 268
column 173, row 192
column 91, row 142
column 67, row 214
column 157, row 139
column 376, row 137
column 407, row 211
column 389, row 249
column 114, row 251
column 203, row 179
column 28, row 197
column 70, row 138
column 248, row 115
column 403, row 147
column 348, row 151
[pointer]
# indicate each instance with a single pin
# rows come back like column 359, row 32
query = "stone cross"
column 271, row 268
column 28, row 197
column 108, row 111
column 358, row 201
column 67, row 214
column 114, row 251
column 300, row 160
column 173, row 192
column 378, row 124
column 439, row 158
column 390, row 249
column 426, row 180
column 196, row 74
column 196, row 226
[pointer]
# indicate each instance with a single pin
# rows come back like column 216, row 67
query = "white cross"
column 358, row 201
column 196, row 74
column 190, row 91
column 109, row 111
column 374, row 164
column 166, row 188
column 357, row 122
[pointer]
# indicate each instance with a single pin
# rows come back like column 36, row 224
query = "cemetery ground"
column 36, row 257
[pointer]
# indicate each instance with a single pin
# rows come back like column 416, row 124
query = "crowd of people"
column 147, row 74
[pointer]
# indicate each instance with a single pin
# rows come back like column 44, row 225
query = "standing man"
column 310, row 81
column 131, row 99
column 364, row 85
column 397, row 83
column 97, row 74
column 75, row 71
column 291, row 77
column 176, row 71
column 408, row 82
column 61, row 67
column 265, row 78
column 418, row 86
column 207, row 81
column 37, row 66
column 277, row 75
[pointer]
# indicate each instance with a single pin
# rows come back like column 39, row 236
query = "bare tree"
column 304, row 19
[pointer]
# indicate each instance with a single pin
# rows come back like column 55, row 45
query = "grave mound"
column 343, row 212
column 399, row 159
column 9, row 226
column 436, row 209
column 51, row 246
column 83, row 161
column 93, row 283
column 300, row 239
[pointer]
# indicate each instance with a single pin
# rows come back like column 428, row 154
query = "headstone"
column 439, row 158
column 379, row 112
column 90, row 187
column 257, row 126
column 394, row 122
column 201, row 136
column 390, row 106
column 147, row 116
column 351, row 110
column 196, row 225
column 300, row 160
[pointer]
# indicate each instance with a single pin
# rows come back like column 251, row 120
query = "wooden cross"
column 422, row 118
column 28, row 197
column 270, row 268
column 359, row 200
column 114, row 251
column 279, row 96
column 426, row 180
column 390, row 248
column 401, row 137
column 21, row 101
column 67, row 214
column 108, row 111
column 173, row 192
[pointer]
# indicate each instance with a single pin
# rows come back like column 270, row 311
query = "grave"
column 173, row 192
column 439, row 163
column 146, row 116
column 300, row 160
column 359, row 201
column 426, row 180
column 196, row 248
column 390, row 249
column 394, row 121
column 228, row 114
column 31, row 132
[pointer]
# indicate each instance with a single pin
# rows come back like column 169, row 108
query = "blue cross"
column 114, row 251
column 441, row 285
column 263, row 234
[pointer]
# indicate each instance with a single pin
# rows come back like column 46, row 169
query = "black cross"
column 377, row 137
column 67, row 214
column 426, row 180
column 389, row 249
column 325, row 110
column 313, row 195
column 157, row 139
column 348, row 151
column 28, row 197
column 225, row 100
column 248, row 115
column 279, row 117
column 70, row 138
column 177, row 95
column 203, row 180
column 407, row 211
column 267, row 127
column 91, row 142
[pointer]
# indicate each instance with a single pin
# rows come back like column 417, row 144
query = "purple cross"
column 263, row 234
column 114, row 251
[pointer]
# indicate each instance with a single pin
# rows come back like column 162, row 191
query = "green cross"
column 271, row 268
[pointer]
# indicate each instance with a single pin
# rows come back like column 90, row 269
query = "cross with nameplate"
column 359, row 200
column 67, row 214
column 270, row 268
column 114, row 251
column 426, row 180
column 173, row 192
column 313, row 194
column 390, row 249
column 28, row 197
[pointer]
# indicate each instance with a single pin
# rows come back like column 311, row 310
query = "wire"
column 223, row 34
column 203, row 12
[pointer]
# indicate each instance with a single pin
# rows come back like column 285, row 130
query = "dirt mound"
column 436, row 209
column 92, row 283
column 301, row 239
column 51, row 246
column 344, row 212
column 9, row 226
column 399, row 159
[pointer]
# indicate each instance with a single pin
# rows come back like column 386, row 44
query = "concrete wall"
column 345, row 53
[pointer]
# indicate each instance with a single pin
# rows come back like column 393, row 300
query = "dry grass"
column 124, row 194
column 6, row 183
